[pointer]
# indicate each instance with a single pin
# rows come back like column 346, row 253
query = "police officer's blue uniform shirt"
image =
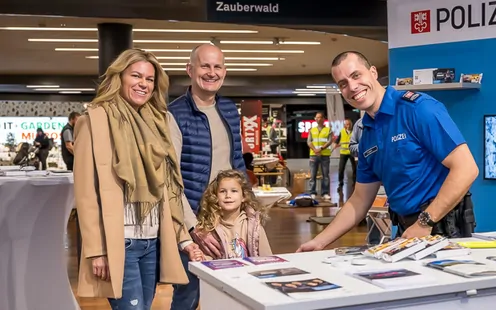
column 403, row 146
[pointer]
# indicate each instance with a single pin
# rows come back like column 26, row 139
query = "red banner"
column 251, row 118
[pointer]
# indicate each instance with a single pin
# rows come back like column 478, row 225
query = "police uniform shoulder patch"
column 410, row 96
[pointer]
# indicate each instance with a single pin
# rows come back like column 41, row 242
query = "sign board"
column 23, row 129
column 251, row 118
column 312, row 12
column 424, row 22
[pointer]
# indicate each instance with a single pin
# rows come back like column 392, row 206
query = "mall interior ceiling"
column 59, row 55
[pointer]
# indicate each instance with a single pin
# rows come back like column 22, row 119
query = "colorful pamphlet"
column 376, row 251
column 275, row 273
column 298, row 289
column 393, row 278
column 265, row 260
column 433, row 245
column 404, row 249
column 224, row 264
column 451, row 250
column 464, row 268
column 354, row 250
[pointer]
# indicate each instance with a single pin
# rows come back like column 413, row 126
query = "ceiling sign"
column 312, row 12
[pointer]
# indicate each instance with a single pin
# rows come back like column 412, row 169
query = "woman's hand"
column 194, row 252
column 100, row 268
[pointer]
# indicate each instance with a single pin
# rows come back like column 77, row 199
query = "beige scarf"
column 144, row 157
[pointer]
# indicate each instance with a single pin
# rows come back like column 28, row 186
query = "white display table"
column 234, row 289
column 33, row 266
column 272, row 196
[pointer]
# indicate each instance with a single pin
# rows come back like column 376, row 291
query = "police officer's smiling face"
column 358, row 84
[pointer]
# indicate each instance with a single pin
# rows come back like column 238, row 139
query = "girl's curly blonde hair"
column 210, row 211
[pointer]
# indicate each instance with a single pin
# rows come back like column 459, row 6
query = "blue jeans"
column 324, row 162
column 141, row 275
column 186, row 297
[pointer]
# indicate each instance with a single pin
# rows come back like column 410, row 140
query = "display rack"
column 442, row 86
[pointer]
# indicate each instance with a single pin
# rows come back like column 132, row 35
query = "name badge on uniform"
column 370, row 151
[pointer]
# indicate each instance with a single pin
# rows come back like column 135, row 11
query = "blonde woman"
column 128, row 187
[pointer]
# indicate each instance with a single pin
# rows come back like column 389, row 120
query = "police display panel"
column 404, row 146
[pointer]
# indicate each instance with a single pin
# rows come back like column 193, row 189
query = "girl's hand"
column 194, row 252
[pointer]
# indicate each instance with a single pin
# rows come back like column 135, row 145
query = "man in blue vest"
column 411, row 144
column 206, row 133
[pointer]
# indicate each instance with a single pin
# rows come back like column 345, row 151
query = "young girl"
column 230, row 210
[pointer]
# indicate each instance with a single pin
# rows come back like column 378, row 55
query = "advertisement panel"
column 251, row 118
column 23, row 129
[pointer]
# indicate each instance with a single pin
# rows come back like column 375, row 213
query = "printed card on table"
column 275, row 273
column 298, row 289
column 224, row 264
column 265, row 260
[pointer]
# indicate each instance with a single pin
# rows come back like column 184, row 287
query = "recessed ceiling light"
column 42, row 86
column 226, row 58
column 299, row 43
column 69, row 92
column 306, row 94
column 77, row 49
column 135, row 41
column 245, row 42
column 227, row 64
column 228, row 69
column 65, row 89
column 134, row 30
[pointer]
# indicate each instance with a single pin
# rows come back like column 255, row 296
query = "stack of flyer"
column 416, row 249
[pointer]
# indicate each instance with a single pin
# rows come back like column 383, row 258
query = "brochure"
column 488, row 236
column 265, row 260
column 433, row 244
column 404, row 249
column 464, row 268
column 275, row 273
column 376, row 251
column 353, row 250
column 393, row 278
column 452, row 250
column 224, row 264
column 303, row 288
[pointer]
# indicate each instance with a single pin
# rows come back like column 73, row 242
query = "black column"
column 113, row 39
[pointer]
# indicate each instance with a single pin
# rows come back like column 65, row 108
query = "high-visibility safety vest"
column 319, row 138
column 344, row 141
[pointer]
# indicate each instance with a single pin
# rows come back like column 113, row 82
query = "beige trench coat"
column 100, row 205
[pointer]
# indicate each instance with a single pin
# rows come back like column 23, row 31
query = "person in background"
column 67, row 139
column 355, row 137
column 128, row 187
column 411, row 145
column 230, row 210
column 343, row 140
column 248, row 158
column 319, row 140
column 43, row 144
column 374, row 237
column 273, row 137
column 206, row 132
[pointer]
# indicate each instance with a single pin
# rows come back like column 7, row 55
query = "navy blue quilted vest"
column 196, row 155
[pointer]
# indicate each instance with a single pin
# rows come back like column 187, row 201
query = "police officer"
column 411, row 145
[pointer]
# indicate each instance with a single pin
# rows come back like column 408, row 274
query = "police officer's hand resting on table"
column 411, row 145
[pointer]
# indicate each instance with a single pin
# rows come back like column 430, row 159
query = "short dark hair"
column 73, row 115
column 321, row 113
column 342, row 56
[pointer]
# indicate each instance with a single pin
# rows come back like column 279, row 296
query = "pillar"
column 113, row 39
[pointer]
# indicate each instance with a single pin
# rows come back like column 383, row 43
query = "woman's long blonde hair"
column 210, row 211
column 109, row 88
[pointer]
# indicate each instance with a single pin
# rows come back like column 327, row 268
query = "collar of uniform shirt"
column 386, row 107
